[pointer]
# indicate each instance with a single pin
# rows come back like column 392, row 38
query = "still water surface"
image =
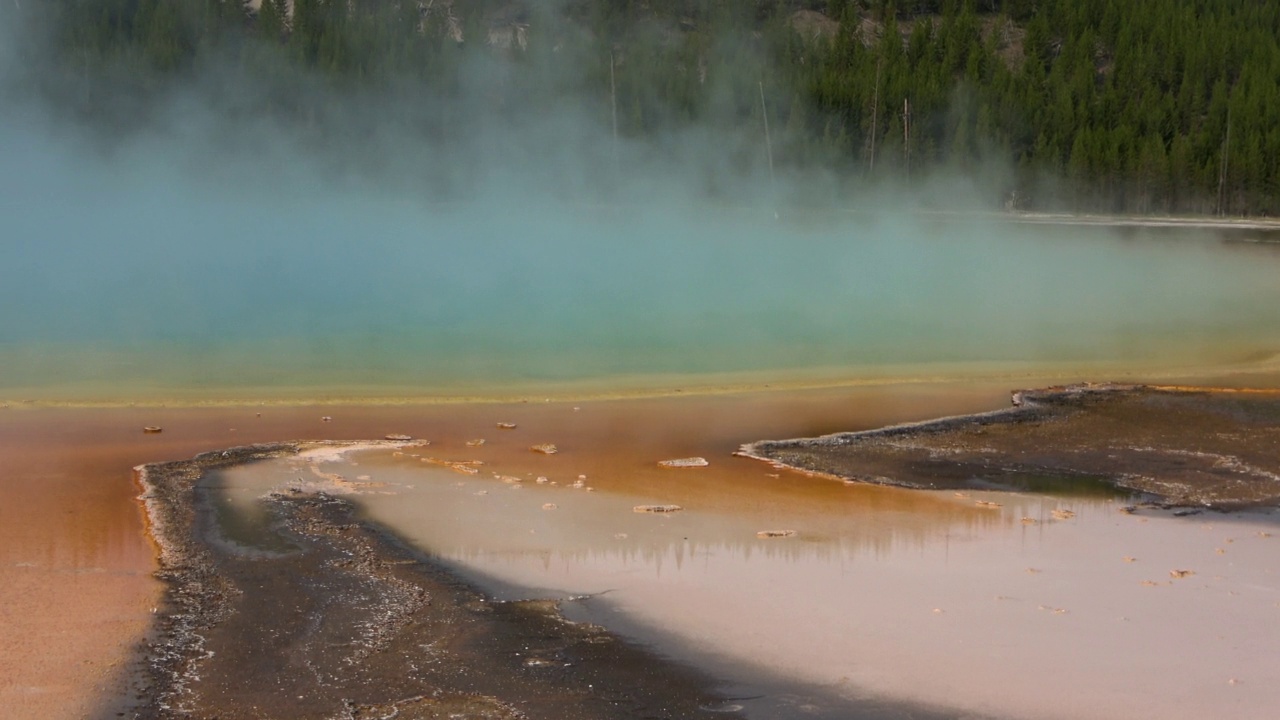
column 881, row 594
column 361, row 296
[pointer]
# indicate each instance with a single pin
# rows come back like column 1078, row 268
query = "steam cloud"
column 199, row 241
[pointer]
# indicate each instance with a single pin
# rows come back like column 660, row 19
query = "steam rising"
column 209, row 244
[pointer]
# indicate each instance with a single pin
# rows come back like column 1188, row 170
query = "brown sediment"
column 76, row 585
column 75, row 567
column 354, row 624
column 1182, row 446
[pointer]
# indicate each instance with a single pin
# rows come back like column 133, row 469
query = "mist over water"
column 205, row 253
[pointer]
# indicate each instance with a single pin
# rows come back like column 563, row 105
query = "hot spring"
column 159, row 286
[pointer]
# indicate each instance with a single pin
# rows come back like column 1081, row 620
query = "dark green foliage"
column 1127, row 104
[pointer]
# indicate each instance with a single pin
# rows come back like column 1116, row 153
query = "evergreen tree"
column 1130, row 102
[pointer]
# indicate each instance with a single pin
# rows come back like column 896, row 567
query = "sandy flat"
column 75, row 583
column 76, row 590
column 1014, row 604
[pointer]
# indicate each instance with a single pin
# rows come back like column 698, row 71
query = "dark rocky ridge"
column 1183, row 447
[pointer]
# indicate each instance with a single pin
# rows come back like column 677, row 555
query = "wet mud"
column 351, row 623
column 1168, row 446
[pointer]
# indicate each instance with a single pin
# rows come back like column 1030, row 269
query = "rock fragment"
column 689, row 462
column 657, row 508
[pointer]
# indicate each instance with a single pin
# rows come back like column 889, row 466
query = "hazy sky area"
column 251, row 252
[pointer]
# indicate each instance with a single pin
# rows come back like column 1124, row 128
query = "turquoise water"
column 369, row 293
column 122, row 276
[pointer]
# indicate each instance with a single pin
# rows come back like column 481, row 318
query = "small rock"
column 326, row 418
column 475, row 443
column 152, row 429
column 689, row 462
column 506, row 426
column 549, row 506
column 1176, row 574
column 657, row 508
column 545, row 449
column 398, row 438
column 1062, row 514
column 776, row 533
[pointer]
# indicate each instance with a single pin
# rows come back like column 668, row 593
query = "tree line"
column 1146, row 106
